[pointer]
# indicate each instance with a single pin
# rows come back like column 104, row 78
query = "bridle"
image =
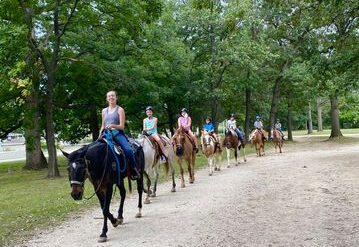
column 102, row 177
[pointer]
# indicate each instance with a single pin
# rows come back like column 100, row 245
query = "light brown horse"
column 231, row 140
column 277, row 140
column 184, row 150
column 257, row 140
column 211, row 152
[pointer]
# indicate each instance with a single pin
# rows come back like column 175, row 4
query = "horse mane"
column 79, row 153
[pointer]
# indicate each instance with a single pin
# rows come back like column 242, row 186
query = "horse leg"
column 193, row 162
column 106, row 200
column 189, row 167
column 122, row 190
column 239, row 155
column 155, row 170
column 228, row 156
column 258, row 150
column 210, row 163
column 262, row 146
column 173, row 176
column 181, row 173
column 139, row 191
column 280, row 147
column 148, row 186
column 236, row 155
column 244, row 153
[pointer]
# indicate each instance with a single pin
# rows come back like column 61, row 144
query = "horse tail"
column 167, row 167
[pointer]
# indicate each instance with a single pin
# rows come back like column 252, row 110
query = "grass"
column 324, row 132
column 30, row 201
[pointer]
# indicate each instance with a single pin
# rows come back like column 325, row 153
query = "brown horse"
column 184, row 150
column 231, row 140
column 211, row 152
column 277, row 140
column 257, row 140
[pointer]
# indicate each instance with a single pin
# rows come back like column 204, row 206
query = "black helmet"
column 184, row 110
column 232, row 115
column 209, row 119
column 149, row 108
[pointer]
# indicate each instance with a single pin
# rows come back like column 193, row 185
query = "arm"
column 179, row 123
column 143, row 125
column 189, row 122
column 102, row 123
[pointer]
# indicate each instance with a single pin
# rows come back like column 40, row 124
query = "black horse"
column 96, row 161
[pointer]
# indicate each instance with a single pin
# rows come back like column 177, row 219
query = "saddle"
column 191, row 140
column 155, row 144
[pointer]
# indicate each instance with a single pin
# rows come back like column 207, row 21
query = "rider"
column 209, row 128
column 278, row 126
column 259, row 126
column 150, row 128
column 113, row 119
column 231, row 124
column 185, row 122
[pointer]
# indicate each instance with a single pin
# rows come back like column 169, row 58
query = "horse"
column 277, row 140
column 97, row 161
column 257, row 140
column 210, row 150
column 152, row 162
column 184, row 150
column 231, row 140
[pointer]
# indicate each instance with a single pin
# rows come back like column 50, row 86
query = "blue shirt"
column 208, row 127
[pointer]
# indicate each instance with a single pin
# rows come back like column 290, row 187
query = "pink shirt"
column 184, row 122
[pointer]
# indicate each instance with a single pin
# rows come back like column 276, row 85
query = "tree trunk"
column 50, row 129
column 290, row 119
column 275, row 98
column 215, row 112
column 248, row 112
column 319, row 112
column 334, row 116
column 309, row 119
column 35, row 158
column 94, row 124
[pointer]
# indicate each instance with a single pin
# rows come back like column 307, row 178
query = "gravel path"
column 307, row 196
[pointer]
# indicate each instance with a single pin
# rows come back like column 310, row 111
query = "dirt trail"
column 307, row 196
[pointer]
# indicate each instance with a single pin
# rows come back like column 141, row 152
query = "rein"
column 103, row 174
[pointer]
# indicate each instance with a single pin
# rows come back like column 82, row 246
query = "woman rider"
column 113, row 119
column 150, row 128
column 185, row 122
column 231, row 124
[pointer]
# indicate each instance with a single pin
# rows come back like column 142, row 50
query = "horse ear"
column 65, row 154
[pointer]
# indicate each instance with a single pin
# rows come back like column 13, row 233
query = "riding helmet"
column 184, row 110
column 209, row 119
column 258, row 117
column 149, row 108
column 232, row 115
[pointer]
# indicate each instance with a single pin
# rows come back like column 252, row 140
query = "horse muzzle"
column 77, row 191
column 179, row 151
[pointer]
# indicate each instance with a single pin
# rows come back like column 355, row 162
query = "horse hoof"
column 147, row 201
column 210, row 174
column 173, row 190
column 228, row 166
column 102, row 239
column 245, row 160
column 138, row 215
column 215, row 169
column 153, row 194
column 183, row 185
column 117, row 222
column 218, row 169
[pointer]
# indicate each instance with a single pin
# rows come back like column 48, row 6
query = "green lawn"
column 324, row 132
column 29, row 201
